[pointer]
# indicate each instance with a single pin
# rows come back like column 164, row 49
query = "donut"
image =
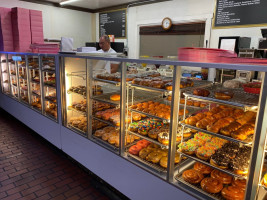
column 223, row 177
column 142, row 143
column 168, row 86
column 144, row 152
column 163, row 138
column 204, row 169
column 201, row 92
column 105, row 136
column 115, row 97
column 233, row 192
column 211, row 185
column 196, row 103
column 154, row 157
column 135, row 149
column 99, row 133
column 164, row 161
column 192, row 176
column 111, row 139
column 240, row 183
column 108, row 128
column 153, row 134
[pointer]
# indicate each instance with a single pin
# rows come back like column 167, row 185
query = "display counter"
column 150, row 135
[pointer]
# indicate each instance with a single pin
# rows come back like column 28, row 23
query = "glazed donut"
column 154, row 157
column 164, row 161
column 192, row 176
column 204, row 169
column 144, row 152
column 223, row 177
column 168, row 86
column 153, row 133
column 142, row 143
column 169, row 98
column 115, row 97
column 108, row 129
column 211, row 185
column 111, row 139
column 135, row 149
column 105, row 136
column 201, row 92
column 196, row 103
column 99, row 133
column 233, row 192
column 240, row 183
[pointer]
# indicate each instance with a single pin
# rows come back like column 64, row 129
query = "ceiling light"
column 67, row 1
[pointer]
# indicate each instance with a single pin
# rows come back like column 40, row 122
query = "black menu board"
column 240, row 13
column 113, row 23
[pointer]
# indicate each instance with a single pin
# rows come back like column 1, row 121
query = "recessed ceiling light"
column 67, row 1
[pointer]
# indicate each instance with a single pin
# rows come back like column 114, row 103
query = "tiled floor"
column 30, row 168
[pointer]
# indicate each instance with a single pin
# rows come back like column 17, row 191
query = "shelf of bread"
column 218, row 94
column 224, row 122
column 151, row 155
column 110, row 136
column 211, row 182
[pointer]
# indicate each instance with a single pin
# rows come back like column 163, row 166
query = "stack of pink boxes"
column 6, row 36
column 21, row 30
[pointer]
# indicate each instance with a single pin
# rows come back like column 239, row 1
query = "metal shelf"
column 79, row 131
column 105, row 98
column 35, row 94
column 106, row 122
column 33, row 81
column 50, row 86
column 148, row 138
column 248, row 141
column 34, row 68
column 50, row 101
column 116, row 83
column 49, row 70
column 240, row 98
column 146, row 88
column 149, row 115
column 207, row 163
column 105, row 143
column 70, row 92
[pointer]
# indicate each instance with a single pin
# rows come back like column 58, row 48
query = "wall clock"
column 166, row 23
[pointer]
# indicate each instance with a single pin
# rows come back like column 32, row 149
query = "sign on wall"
column 240, row 13
column 113, row 23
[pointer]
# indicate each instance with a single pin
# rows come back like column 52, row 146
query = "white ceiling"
column 95, row 4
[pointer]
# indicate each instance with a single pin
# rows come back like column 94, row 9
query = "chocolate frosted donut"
column 241, row 162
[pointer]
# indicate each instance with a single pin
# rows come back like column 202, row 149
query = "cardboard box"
column 21, row 29
column 6, row 36
column 36, row 21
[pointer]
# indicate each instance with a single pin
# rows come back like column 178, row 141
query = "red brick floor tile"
column 30, row 168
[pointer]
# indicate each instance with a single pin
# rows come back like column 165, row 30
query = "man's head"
column 104, row 43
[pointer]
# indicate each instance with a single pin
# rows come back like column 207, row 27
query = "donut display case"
column 175, row 137
column 31, row 81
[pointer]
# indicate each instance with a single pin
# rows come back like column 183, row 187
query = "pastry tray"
column 197, row 187
column 240, row 98
column 76, row 130
column 70, row 92
column 155, row 167
column 231, row 173
column 106, row 122
column 78, row 111
column 247, row 141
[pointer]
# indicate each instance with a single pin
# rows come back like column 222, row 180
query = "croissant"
column 246, row 117
column 238, row 113
column 230, row 128
column 224, row 113
column 207, row 121
column 194, row 119
column 215, row 128
column 214, row 111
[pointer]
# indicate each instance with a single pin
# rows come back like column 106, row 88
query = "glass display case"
column 31, row 79
column 172, row 126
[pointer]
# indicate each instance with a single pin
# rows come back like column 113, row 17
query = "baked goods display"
column 97, row 90
column 113, row 115
column 111, row 135
column 213, row 181
column 152, row 153
column 51, row 109
column 225, row 120
column 157, row 109
column 97, row 106
column 194, row 103
column 80, row 122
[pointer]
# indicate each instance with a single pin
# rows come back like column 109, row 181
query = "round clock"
column 166, row 23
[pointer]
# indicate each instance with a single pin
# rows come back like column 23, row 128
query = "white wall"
column 59, row 22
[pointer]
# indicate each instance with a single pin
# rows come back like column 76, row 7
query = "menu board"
column 240, row 13
column 113, row 23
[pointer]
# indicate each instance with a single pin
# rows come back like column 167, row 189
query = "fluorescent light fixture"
column 67, row 1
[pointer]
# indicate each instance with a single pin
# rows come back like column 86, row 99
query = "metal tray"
column 107, row 122
column 116, row 83
column 197, row 187
column 78, row 111
column 76, row 130
column 155, row 167
column 240, row 98
column 248, row 141
column 70, row 92
column 207, row 163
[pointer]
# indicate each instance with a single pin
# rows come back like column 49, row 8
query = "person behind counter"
column 104, row 43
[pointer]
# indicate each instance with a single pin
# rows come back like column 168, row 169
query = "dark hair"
column 106, row 38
